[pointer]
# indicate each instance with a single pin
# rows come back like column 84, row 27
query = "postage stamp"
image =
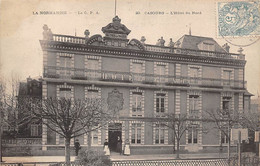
column 238, row 19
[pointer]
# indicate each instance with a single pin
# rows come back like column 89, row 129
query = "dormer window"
column 208, row 46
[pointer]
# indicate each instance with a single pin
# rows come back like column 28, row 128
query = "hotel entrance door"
column 114, row 131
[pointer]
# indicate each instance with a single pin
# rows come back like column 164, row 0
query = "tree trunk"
column 67, row 150
column 229, row 148
column 1, row 148
column 229, row 139
column 178, row 148
column 174, row 140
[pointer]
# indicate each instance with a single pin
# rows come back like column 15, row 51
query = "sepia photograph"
column 125, row 82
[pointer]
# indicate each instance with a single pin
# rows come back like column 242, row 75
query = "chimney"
column 29, row 79
column 143, row 39
column 226, row 47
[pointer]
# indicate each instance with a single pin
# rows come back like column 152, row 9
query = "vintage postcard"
column 143, row 82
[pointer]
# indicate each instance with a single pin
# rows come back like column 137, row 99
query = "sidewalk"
column 115, row 157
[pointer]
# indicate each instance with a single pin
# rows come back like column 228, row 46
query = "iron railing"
column 155, row 48
column 164, row 162
column 113, row 76
column 23, row 141
column 203, row 53
column 252, row 161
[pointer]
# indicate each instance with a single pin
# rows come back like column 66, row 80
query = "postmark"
column 236, row 19
column 238, row 22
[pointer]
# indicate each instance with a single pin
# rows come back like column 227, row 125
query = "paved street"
column 114, row 157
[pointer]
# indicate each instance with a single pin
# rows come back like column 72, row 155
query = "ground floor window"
column 159, row 133
column 136, row 133
column 61, row 140
column 193, row 135
column 223, row 136
column 94, row 137
column 34, row 130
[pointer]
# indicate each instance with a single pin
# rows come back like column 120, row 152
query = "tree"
column 178, row 123
column 250, row 120
column 70, row 118
column 1, row 118
column 9, row 107
column 224, row 120
column 15, row 113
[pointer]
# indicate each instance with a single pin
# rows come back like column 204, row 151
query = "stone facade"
column 196, row 74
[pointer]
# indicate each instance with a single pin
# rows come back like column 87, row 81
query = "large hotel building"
column 190, row 75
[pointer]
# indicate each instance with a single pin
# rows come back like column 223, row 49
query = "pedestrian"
column 119, row 145
column 77, row 147
column 127, row 148
column 106, row 148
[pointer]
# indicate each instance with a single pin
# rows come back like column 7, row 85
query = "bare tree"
column 2, row 91
column 178, row 123
column 249, row 120
column 13, row 113
column 70, row 118
column 224, row 120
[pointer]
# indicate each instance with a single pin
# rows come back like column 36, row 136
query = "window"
column 193, row 135
column 93, row 67
column 159, row 134
column 208, row 46
column 92, row 94
column 65, row 93
column 226, row 105
column 94, row 137
column 61, row 140
column 160, row 103
column 227, row 77
column 137, row 67
column 194, row 106
column 34, row 130
column 136, row 133
column 224, row 138
column 92, row 64
column 137, row 102
column 246, row 103
column 65, row 66
column 160, row 70
column 194, row 74
column 160, row 73
column 137, row 71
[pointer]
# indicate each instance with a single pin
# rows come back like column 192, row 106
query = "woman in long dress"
column 106, row 148
column 127, row 148
column 119, row 145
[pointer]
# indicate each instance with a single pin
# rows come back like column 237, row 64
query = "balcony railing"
column 113, row 76
column 69, row 39
column 23, row 141
column 194, row 52
column 155, row 48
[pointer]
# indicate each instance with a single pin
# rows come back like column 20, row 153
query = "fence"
column 208, row 162
column 170, row 162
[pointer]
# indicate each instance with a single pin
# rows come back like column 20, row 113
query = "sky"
column 21, row 25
